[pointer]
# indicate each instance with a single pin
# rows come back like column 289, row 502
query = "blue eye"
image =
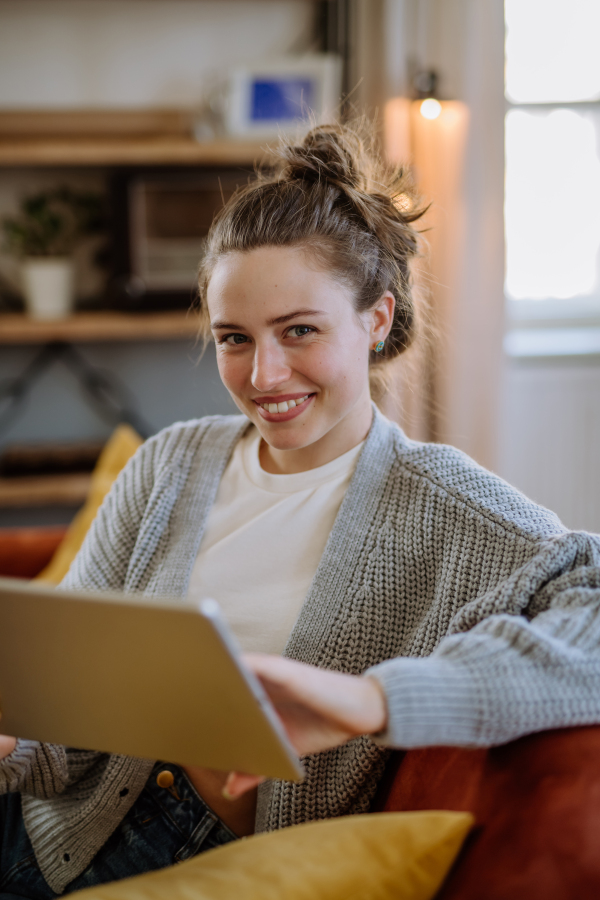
column 300, row 330
column 234, row 339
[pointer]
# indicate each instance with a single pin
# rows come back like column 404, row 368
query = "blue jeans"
column 164, row 826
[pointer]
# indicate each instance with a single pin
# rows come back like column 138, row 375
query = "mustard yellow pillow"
column 379, row 856
column 121, row 445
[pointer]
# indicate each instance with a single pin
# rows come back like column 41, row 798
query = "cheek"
column 232, row 369
column 342, row 367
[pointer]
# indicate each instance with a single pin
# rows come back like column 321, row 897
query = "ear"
column 382, row 317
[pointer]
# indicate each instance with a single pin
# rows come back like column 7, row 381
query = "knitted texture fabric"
column 475, row 608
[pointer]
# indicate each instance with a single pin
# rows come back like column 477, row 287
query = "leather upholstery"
column 537, row 808
column 24, row 552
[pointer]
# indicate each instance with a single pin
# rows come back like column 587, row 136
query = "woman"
column 327, row 536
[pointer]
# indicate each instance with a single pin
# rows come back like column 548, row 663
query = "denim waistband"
column 180, row 803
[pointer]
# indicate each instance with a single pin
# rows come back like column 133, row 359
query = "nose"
column 270, row 368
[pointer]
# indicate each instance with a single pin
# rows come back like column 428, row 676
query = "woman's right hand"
column 7, row 745
column 318, row 708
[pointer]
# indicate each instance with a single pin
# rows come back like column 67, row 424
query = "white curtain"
column 458, row 160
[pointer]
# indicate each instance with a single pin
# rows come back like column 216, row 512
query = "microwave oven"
column 161, row 223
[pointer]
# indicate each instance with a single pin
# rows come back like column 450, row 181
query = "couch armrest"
column 537, row 807
column 24, row 552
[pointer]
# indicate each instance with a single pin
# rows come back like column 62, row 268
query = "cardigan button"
column 165, row 779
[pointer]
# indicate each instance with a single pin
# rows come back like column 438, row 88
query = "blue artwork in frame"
column 275, row 96
column 281, row 99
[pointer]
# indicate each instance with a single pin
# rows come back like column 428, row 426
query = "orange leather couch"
column 536, row 802
column 24, row 552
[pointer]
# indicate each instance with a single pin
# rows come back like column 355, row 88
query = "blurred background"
column 124, row 124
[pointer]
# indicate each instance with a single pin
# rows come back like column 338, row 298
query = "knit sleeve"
column 524, row 657
column 103, row 560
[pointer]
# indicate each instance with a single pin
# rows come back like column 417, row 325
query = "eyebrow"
column 279, row 320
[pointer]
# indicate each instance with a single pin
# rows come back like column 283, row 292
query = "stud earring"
column 379, row 347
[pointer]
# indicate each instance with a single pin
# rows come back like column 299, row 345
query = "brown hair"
column 332, row 195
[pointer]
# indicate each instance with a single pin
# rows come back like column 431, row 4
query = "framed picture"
column 274, row 97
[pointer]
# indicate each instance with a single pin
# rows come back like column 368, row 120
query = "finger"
column 239, row 783
column 7, row 745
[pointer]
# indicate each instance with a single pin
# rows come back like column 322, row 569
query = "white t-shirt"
column 263, row 541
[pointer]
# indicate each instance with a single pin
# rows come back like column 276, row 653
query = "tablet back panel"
column 127, row 675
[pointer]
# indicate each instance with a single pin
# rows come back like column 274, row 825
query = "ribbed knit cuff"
column 15, row 767
column 431, row 702
column 34, row 768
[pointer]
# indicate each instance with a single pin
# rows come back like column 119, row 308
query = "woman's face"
column 293, row 353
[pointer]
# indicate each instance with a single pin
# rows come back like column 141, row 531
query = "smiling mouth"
column 284, row 406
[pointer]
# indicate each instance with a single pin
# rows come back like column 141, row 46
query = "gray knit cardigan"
column 478, row 610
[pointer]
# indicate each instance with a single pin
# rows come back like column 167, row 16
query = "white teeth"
column 284, row 405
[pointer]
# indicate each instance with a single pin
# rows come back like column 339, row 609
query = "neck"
column 348, row 433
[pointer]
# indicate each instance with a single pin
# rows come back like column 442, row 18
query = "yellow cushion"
column 121, row 445
column 379, row 856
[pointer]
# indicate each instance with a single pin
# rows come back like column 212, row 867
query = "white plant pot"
column 48, row 286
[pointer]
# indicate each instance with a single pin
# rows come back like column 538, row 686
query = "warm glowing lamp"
column 412, row 127
column 429, row 137
column 430, row 108
column 423, row 132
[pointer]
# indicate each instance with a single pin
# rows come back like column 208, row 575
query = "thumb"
column 238, row 783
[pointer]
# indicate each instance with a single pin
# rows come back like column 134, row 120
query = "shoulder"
column 451, row 478
column 214, row 435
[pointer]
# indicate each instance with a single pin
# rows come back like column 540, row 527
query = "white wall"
column 135, row 53
column 550, row 435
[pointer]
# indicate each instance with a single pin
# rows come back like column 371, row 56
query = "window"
column 552, row 194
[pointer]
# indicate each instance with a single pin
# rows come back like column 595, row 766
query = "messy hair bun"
column 333, row 195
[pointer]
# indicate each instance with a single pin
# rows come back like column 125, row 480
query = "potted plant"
column 44, row 235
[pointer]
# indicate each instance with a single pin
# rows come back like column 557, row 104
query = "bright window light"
column 552, row 53
column 552, row 204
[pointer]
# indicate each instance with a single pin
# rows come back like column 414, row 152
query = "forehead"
column 271, row 280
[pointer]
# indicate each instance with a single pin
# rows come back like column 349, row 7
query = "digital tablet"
column 126, row 674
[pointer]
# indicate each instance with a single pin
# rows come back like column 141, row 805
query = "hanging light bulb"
column 430, row 108
column 425, row 83
column 415, row 127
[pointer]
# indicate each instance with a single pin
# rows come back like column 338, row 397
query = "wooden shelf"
column 115, row 138
column 116, row 152
column 99, row 326
column 44, row 490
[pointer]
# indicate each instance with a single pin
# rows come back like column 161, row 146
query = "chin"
column 278, row 439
